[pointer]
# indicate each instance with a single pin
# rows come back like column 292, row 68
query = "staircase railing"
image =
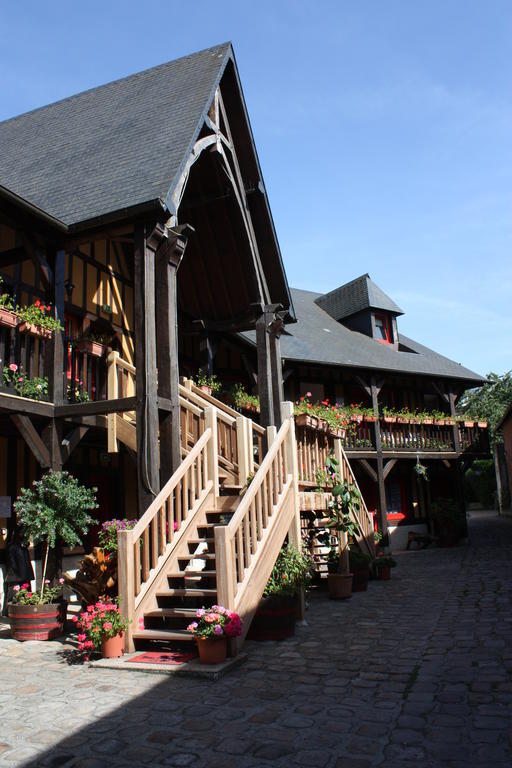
column 246, row 549
column 144, row 550
column 362, row 517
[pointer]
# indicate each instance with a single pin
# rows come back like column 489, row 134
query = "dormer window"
column 383, row 331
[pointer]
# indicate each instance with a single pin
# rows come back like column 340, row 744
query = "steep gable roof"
column 360, row 294
column 317, row 338
column 114, row 147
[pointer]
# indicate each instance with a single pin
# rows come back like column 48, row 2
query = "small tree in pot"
column 56, row 508
column 345, row 497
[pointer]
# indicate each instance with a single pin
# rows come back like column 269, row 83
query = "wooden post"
column 459, row 474
column 225, row 567
column 264, row 370
column 126, row 584
column 145, row 361
column 59, row 396
column 382, row 517
column 250, row 444
column 210, row 421
column 242, row 450
column 276, row 369
column 170, row 249
column 294, row 532
column 112, row 394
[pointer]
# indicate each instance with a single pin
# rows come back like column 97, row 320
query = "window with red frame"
column 71, row 325
column 396, row 500
column 383, row 331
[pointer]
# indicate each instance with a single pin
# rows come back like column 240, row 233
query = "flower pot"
column 390, row 419
column 360, row 577
column 439, row 422
column 384, row 572
column 206, row 389
column 428, row 421
column 35, row 330
column 274, row 619
column 8, row 319
column 112, row 647
column 93, row 348
column 37, row 622
column 340, row 586
column 469, row 424
column 212, row 650
column 482, row 424
column 370, row 419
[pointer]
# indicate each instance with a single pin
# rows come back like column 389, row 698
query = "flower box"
column 8, row 319
column 390, row 419
column 482, row 424
column 402, row 420
column 469, row 424
column 92, row 348
column 428, row 422
column 35, row 330
column 370, row 419
column 439, row 422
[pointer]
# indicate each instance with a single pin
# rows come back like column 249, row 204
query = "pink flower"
column 218, row 630
column 74, row 619
column 13, row 367
column 107, row 625
column 192, row 627
column 61, row 581
column 16, row 588
column 96, row 629
column 47, row 581
column 200, row 612
column 81, row 638
column 308, row 394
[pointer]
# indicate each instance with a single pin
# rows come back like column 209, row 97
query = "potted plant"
column 9, row 317
column 207, row 383
column 101, row 628
column 37, row 320
column 94, row 344
column 383, row 565
column 35, row 388
column 345, row 497
column 38, row 615
column 212, row 628
column 54, row 510
column 277, row 610
column 421, row 470
column 359, row 566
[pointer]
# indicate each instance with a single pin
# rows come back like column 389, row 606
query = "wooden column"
column 264, row 369
column 459, row 473
column 383, row 520
column 145, row 361
column 170, row 249
column 276, row 369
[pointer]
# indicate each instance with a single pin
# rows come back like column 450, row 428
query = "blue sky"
column 383, row 129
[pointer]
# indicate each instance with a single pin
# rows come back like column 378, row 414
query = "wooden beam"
column 146, row 243
column 12, row 256
column 96, row 407
column 32, row 439
column 447, row 463
column 363, row 384
column 388, row 467
column 40, row 263
column 71, row 441
column 276, row 368
column 15, row 404
column 169, row 254
column 369, row 470
column 57, row 385
column 442, row 394
column 382, row 519
column 265, row 367
column 52, row 438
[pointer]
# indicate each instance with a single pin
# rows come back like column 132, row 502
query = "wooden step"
column 171, row 592
column 191, row 574
column 163, row 634
column 171, row 613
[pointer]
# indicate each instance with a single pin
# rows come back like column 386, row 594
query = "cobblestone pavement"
column 415, row 672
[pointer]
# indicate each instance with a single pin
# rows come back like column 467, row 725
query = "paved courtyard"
column 415, row 672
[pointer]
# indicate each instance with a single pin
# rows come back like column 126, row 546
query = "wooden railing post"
column 294, row 532
column 242, row 450
column 126, row 582
column 250, row 445
column 225, row 567
column 210, row 420
column 338, row 455
column 112, row 394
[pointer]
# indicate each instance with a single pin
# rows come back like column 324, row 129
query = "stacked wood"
column 96, row 576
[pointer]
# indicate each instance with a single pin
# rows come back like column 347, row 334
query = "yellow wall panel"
column 127, row 349
column 77, row 278
column 100, row 251
column 93, row 289
column 128, row 307
column 28, row 273
column 116, row 301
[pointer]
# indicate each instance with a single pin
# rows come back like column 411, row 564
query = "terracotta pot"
column 370, row 419
column 469, row 424
column 274, row 619
column 206, row 389
column 428, row 421
column 35, row 330
column 482, row 424
column 37, row 622
column 93, row 348
column 384, row 572
column 340, row 586
column 439, row 422
column 8, row 318
column 390, row 419
column 301, row 419
column 212, row 651
column 112, row 647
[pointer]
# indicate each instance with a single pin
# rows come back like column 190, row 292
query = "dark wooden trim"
column 369, row 469
column 71, row 441
column 40, row 263
column 96, row 407
column 13, row 403
column 12, row 256
column 363, row 384
column 388, row 467
column 264, row 369
column 32, row 438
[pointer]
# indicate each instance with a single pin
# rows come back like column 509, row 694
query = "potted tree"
column 345, row 497
column 55, row 509
column 277, row 611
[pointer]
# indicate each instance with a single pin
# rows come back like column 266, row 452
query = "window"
column 383, row 329
column 396, row 504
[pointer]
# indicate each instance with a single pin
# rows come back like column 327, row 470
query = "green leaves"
column 489, row 402
column 56, row 506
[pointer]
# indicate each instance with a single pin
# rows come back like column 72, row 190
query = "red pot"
column 112, row 647
column 35, row 330
column 37, row 622
column 212, row 651
column 93, row 348
column 8, row 318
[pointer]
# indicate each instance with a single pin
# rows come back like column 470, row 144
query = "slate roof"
column 361, row 293
column 317, row 338
column 113, row 147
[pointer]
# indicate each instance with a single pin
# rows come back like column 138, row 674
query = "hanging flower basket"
column 92, row 348
column 35, row 330
column 8, row 319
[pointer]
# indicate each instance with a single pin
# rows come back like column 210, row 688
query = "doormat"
column 163, row 657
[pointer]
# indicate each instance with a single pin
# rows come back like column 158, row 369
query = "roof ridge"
column 133, row 76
